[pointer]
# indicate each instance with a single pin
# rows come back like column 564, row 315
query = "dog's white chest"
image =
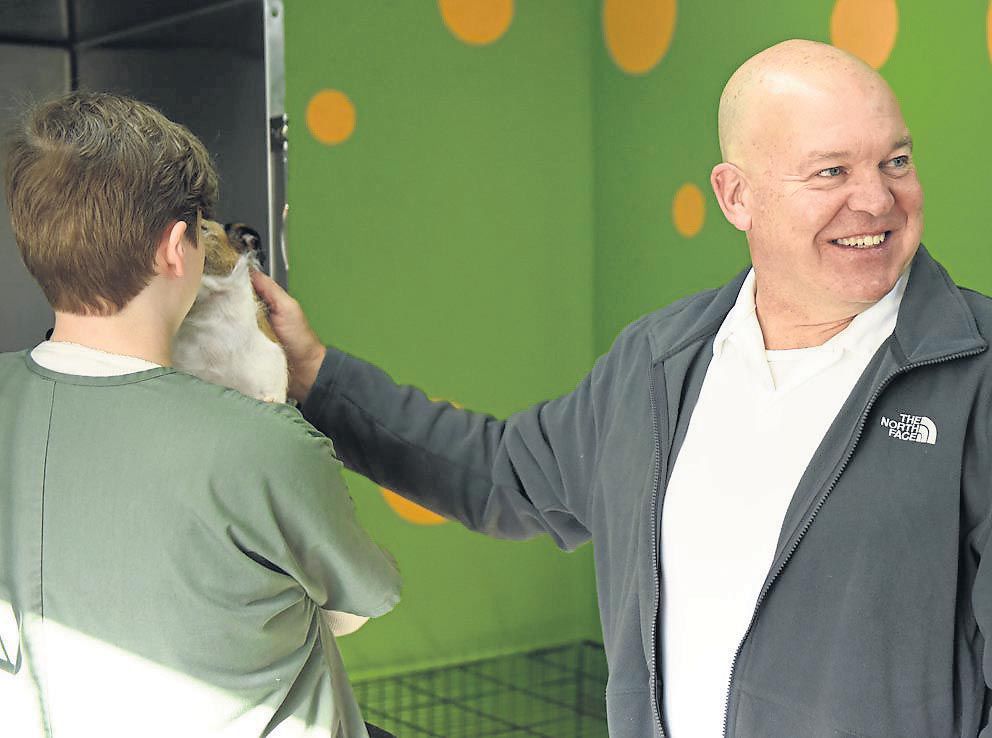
column 220, row 340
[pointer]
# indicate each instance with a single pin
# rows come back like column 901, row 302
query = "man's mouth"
column 863, row 241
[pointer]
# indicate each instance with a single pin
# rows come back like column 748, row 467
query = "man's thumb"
column 266, row 288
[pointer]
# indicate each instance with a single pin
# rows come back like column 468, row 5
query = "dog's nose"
column 246, row 239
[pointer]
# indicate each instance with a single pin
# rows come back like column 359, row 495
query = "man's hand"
column 304, row 351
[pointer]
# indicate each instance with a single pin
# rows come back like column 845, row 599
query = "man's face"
column 837, row 210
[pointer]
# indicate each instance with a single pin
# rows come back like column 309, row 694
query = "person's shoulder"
column 11, row 360
column 980, row 305
column 14, row 368
column 272, row 426
column 687, row 307
column 669, row 324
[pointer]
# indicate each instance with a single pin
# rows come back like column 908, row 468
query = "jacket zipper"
column 655, row 554
column 819, row 504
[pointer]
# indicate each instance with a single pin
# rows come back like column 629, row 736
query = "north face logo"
column 917, row 428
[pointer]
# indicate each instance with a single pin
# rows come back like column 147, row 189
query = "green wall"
column 501, row 211
column 450, row 240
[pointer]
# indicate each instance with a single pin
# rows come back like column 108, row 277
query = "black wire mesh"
column 547, row 693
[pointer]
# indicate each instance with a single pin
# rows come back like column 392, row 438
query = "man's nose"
column 871, row 194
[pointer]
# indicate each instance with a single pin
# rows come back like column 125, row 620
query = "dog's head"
column 225, row 245
column 229, row 248
column 226, row 337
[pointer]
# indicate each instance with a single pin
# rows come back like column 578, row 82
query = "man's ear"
column 733, row 193
column 170, row 257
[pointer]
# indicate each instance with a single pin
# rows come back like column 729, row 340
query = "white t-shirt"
column 759, row 419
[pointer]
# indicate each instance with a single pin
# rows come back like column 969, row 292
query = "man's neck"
column 129, row 332
column 790, row 324
column 781, row 332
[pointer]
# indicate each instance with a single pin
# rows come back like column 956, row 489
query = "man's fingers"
column 267, row 289
column 303, row 348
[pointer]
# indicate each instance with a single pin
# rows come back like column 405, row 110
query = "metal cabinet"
column 214, row 65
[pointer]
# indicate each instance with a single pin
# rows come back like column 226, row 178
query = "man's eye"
column 900, row 162
column 830, row 172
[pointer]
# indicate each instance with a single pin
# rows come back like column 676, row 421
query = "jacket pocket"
column 757, row 716
column 629, row 714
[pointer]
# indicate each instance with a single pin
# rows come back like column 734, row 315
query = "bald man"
column 787, row 479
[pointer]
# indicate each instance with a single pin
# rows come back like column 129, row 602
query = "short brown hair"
column 93, row 180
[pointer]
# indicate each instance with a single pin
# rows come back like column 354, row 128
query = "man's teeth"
column 861, row 241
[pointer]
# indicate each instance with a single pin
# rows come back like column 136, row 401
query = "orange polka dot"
column 331, row 117
column 410, row 511
column 988, row 29
column 638, row 32
column 477, row 22
column 689, row 210
column 866, row 28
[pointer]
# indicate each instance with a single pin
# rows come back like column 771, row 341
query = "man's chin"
column 866, row 295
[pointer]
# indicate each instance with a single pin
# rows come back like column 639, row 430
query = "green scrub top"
column 166, row 548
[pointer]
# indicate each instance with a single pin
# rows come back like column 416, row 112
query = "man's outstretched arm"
column 511, row 478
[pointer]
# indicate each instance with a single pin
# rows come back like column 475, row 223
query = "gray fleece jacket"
column 873, row 619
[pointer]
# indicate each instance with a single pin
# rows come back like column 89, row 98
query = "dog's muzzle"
column 246, row 240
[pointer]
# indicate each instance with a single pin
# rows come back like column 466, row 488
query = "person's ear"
column 170, row 257
column 733, row 193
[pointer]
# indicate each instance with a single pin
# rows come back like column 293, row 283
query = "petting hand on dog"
column 304, row 351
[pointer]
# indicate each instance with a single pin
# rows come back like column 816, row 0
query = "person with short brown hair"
column 168, row 547
column 93, row 169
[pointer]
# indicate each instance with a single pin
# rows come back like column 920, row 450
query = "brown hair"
column 93, row 180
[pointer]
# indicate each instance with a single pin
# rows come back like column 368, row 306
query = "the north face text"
column 907, row 427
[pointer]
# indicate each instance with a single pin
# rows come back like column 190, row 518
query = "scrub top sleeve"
column 320, row 542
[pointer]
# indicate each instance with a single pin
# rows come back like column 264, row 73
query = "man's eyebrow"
column 906, row 142
column 815, row 156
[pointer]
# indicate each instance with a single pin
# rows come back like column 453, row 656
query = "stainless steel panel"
column 95, row 18
column 27, row 74
column 215, row 65
column 34, row 20
column 275, row 103
column 207, row 72
column 223, row 24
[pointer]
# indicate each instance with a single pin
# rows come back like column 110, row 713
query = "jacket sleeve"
column 511, row 478
column 981, row 602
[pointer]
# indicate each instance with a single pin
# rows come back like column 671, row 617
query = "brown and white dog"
column 226, row 337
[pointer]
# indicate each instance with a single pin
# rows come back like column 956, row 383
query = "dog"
column 226, row 337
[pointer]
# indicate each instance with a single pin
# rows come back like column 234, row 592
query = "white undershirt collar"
column 783, row 369
column 72, row 358
column 860, row 335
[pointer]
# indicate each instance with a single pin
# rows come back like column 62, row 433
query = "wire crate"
column 547, row 693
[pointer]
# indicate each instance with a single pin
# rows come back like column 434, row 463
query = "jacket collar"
column 934, row 320
column 696, row 318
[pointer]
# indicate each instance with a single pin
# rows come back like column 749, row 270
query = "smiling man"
column 787, row 479
column 818, row 172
